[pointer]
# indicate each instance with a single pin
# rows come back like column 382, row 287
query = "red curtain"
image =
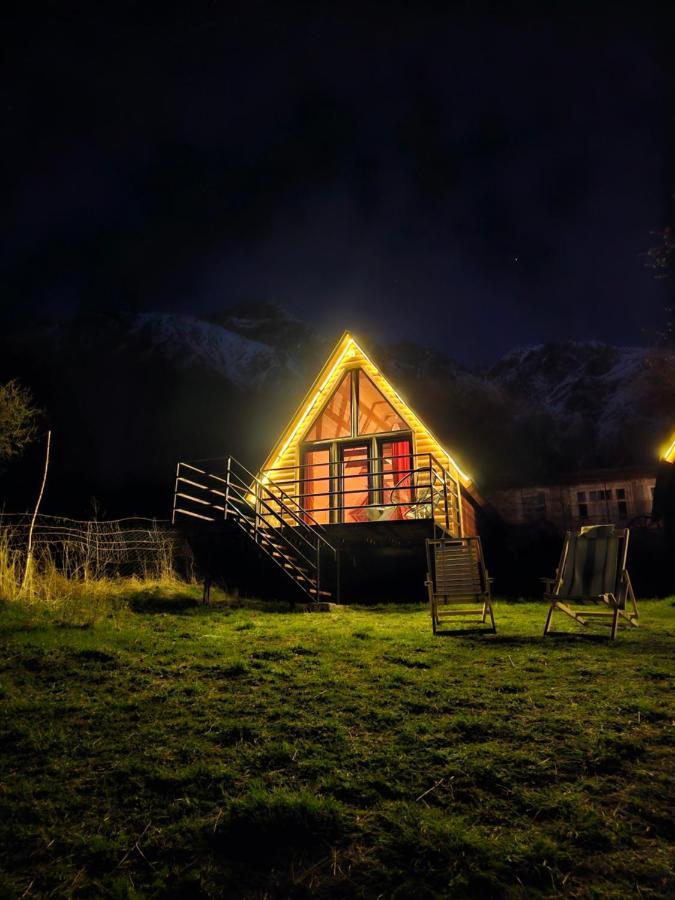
column 401, row 465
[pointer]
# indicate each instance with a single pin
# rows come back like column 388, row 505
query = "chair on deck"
column 592, row 569
column 457, row 582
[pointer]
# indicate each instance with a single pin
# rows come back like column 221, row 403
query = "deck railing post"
column 227, row 486
column 431, row 487
column 445, row 499
column 318, row 570
column 256, row 512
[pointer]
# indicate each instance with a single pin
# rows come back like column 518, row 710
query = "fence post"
column 29, row 549
column 175, row 496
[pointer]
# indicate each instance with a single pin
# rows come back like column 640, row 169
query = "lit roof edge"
column 317, row 387
column 669, row 453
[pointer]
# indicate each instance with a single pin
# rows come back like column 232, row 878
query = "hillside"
column 127, row 395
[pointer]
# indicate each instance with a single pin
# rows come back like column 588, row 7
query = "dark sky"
column 473, row 176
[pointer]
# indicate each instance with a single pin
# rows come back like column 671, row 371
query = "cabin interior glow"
column 355, row 451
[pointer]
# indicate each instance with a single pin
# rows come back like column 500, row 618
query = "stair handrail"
column 291, row 512
column 288, row 497
column 241, row 497
column 305, row 512
column 252, row 505
column 242, row 486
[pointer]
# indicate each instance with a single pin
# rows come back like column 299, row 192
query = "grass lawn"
column 167, row 750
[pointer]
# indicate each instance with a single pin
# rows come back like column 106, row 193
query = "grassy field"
column 168, row 750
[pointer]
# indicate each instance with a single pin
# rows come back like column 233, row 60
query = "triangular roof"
column 669, row 452
column 349, row 354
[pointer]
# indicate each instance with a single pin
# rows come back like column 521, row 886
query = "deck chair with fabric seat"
column 592, row 570
column 458, row 583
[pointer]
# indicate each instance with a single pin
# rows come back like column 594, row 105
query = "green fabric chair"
column 592, row 570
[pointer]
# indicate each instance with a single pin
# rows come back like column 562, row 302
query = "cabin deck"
column 374, row 562
column 382, row 561
column 356, row 561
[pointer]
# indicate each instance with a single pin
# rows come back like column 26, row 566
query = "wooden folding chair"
column 592, row 570
column 458, row 582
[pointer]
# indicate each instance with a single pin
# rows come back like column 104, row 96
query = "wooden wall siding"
column 283, row 462
column 468, row 516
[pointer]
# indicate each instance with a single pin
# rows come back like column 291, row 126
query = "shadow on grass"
column 161, row 602
column 562, row 637
column 477, row 632
column 185, row 603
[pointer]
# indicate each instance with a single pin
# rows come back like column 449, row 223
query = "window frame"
column 375, row 472
column 374, row 440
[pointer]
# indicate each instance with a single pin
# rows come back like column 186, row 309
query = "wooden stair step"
column 295, row 568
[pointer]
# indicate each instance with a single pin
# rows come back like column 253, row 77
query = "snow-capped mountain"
column 189, row 342
column 622, row 398
column 564, row 376
column 128, row 394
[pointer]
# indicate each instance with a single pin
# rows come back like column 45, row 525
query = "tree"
column 18, row 419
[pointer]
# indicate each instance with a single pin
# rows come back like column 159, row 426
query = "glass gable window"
column 317, row 485
column 353, row 468
column 376, row 415
column 355, row 476
column 336, row 419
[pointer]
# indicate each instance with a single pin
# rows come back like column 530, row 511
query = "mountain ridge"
column 133, row 392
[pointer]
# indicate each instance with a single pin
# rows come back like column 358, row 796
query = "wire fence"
column 94, row 549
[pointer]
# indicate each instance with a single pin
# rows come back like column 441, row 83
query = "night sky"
column 472, row 177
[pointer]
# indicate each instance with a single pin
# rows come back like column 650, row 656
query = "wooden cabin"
column 355, row 471
column 355, row 452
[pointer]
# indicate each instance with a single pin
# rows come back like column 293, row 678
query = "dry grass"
column 80, row 598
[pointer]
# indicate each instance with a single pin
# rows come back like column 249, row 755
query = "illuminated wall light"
column 669, row 453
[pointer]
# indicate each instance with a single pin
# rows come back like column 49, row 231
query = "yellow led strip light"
column 350, row 348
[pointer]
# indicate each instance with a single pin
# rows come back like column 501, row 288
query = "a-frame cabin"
column 349, row 491
column 355, row 452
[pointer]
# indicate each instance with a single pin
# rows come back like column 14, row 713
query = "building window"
column 600, row 495
column 623, row 509
column 620, row 493
column 534, row 505
column 583, row 510
column 581, row 496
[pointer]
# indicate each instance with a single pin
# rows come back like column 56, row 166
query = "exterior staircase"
column 272, row 519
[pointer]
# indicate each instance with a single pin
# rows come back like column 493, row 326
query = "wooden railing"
column 413, row 486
